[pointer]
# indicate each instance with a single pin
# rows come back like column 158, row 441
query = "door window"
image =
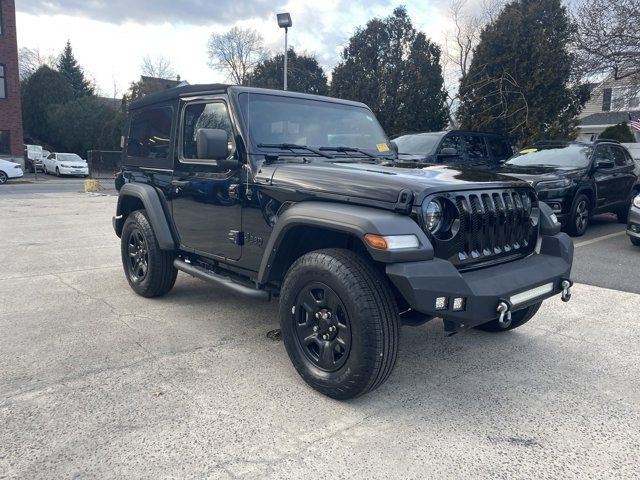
column 204, row 115
column 603, row 152
column 452, row 141
column 476, row 148
column 500, row 149
column 618, row 156
column 150, row 133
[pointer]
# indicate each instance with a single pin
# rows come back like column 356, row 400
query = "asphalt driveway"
column 96, row 382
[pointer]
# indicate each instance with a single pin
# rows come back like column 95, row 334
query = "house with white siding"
column 612, row 102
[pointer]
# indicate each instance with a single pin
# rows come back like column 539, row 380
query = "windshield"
column 569, row 156
column 273, row 119
column 69, row 157
column 418, row 144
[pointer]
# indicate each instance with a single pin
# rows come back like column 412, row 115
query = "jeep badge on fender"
column 301, row 198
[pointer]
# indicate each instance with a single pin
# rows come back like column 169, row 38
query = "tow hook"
column 566, row 290
column 504, row 309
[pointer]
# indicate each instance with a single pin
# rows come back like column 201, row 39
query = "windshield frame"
column 252, row 142
column 587, row 163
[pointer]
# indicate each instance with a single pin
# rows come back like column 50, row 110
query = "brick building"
column 11, row 135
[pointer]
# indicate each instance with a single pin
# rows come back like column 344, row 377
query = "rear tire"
column 635, row 241
column 350, row 347
column 3, row 178
column 518, row 319
column 149, row 270
column 580, row 215
column 57, row 172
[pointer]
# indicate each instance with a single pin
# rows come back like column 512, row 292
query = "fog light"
column 442, row 303
column 459, row 304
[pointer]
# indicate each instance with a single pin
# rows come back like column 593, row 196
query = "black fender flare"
column 351, row 219
column 150, row 199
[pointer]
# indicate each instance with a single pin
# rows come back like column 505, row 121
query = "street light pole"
column 284, row 21
column 286, row 54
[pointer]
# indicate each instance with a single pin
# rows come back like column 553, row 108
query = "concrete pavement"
column 98, row 382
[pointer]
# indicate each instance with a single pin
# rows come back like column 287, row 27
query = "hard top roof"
column 213, row 88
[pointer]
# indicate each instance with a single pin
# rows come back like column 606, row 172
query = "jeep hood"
column 382, row 182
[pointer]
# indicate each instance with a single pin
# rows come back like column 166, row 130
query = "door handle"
column 180, row 183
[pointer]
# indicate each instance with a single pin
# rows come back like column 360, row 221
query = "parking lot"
column 98, row 382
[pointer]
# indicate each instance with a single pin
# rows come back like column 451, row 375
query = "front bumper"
column 74, row 171
column 421, row 283
column 633, row 227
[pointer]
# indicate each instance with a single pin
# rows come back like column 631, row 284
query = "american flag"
column 634, row 120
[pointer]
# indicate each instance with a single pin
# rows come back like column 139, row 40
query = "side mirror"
column 604, row 164
column 449, row 152
column 212, row 143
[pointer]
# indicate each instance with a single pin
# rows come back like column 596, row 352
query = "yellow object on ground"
column 92, row 185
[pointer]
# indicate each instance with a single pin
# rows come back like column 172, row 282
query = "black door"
column 625, row 168
column 206, row 207
column 606, row 179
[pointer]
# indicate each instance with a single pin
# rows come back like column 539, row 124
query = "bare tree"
column 158, row 67
column 461, row 40
column 236, row 52
column 31, row 59
column 607, row 38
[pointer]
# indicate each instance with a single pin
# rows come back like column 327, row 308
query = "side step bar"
column 220, row 280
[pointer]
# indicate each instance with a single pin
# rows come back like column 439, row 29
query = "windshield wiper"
column 347, row 150
column 293, row 147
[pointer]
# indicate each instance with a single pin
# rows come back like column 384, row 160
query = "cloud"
column 195, row 12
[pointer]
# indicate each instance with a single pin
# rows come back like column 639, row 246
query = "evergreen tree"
column 304, row 74
column 396, row 71
column 69, row 67
column 40, row 92
column 620, row 132
column 519, row 81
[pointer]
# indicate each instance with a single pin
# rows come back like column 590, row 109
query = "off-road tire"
column 3, row 178
column 577, row 223
column 371, row 314
column 518, row 319
column 160, row 274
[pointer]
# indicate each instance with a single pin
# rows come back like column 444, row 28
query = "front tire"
column 3, row 178
column 339, row 322
column 579, row 217
column 635, row 241
column 149, row 270
column 518, row 319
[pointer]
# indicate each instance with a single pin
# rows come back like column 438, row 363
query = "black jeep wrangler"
column 300, row 197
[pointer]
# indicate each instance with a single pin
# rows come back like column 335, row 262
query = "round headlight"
column 636, row 201
column 433, row 215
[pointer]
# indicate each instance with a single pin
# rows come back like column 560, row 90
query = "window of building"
column 625, row 98
column 150, row 133
column 3, row 82
column 5, row 142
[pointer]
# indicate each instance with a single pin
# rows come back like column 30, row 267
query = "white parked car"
column 9, row 170
column 65, row 164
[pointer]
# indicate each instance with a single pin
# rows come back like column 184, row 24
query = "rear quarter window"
column 499, row 148
column 149, row 139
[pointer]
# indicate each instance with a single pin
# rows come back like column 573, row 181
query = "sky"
column 110, row 38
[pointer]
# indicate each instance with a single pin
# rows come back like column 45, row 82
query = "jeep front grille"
column 495, row 225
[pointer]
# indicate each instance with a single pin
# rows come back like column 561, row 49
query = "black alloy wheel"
column 138, row 256
column 322, row 327
column 580, row 215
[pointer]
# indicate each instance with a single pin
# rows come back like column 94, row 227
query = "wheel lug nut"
column 317, row 314
column 325, row 336
column 315, row 328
